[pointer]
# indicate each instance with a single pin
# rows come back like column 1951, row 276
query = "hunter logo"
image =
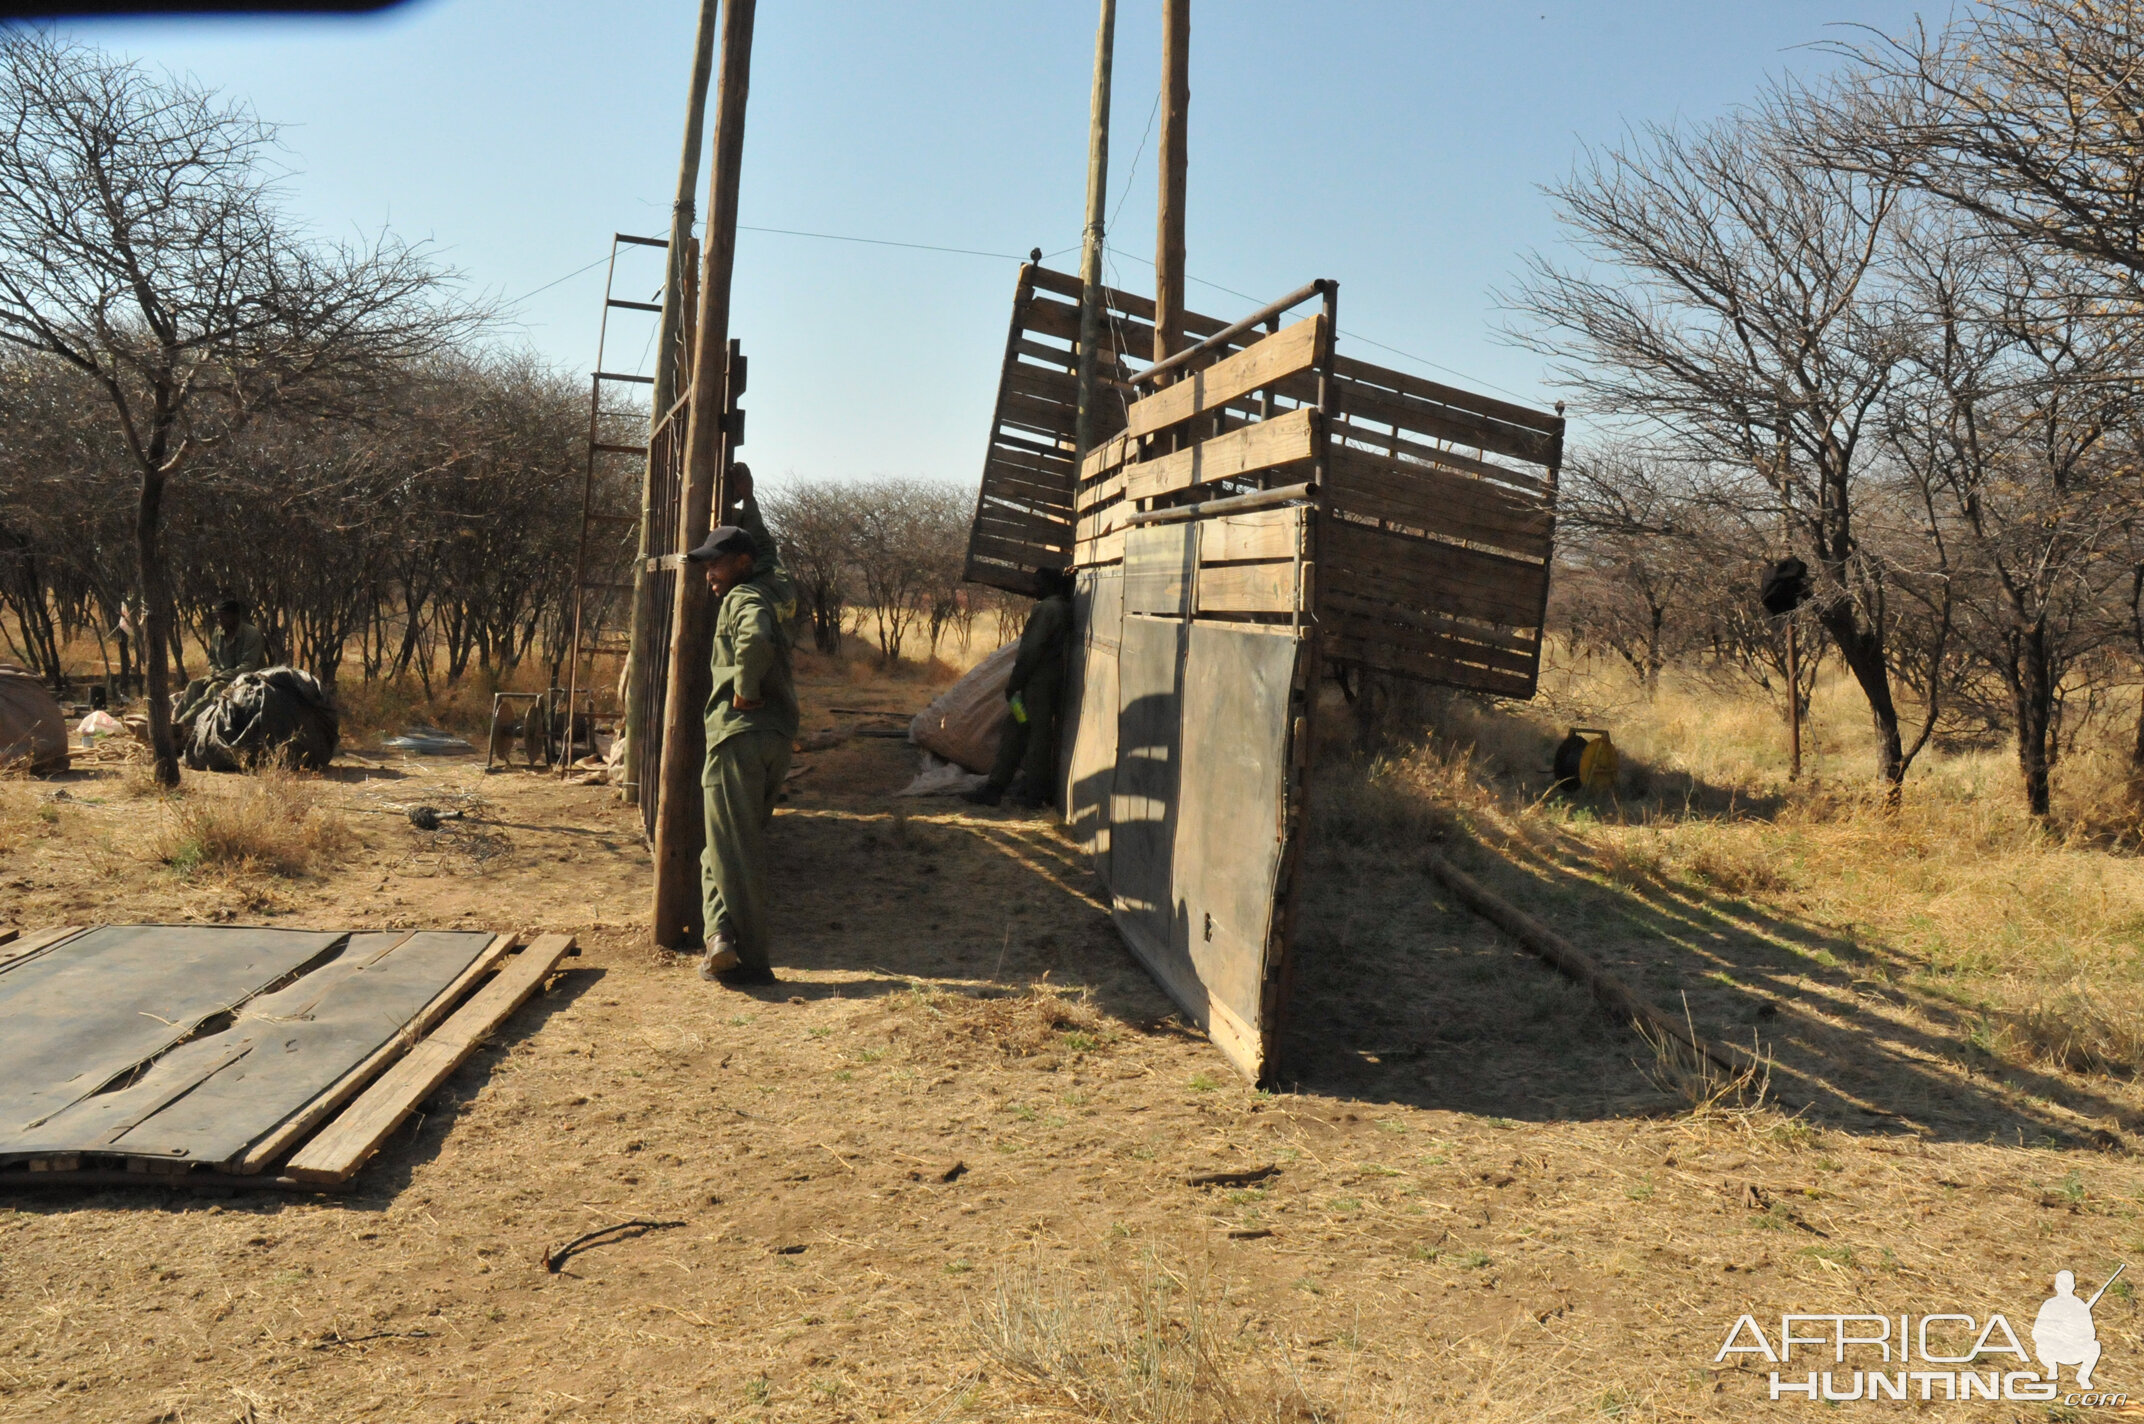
column 1951, row 1349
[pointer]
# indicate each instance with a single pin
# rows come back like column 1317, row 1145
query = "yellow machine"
column 1587, row 759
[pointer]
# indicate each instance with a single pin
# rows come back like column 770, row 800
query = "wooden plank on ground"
column 276, row 1143
column 1287, row 351
column 8, row 934
column 1283, row 440
column 345, row 1144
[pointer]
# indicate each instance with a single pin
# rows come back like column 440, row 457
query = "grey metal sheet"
column 74, row 1020
column 211, row 1099
column 1142, row 803
column 1230, row 816
column 1090, row 723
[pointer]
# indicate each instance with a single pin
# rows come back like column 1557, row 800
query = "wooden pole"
column 1090, row 262
column 668, row 361
column 1169, row 221
column 678, row 830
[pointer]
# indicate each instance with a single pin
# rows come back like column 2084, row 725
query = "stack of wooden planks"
column 237, row 1056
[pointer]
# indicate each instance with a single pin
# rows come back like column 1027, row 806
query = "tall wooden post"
column 1169, row 223
column 668, row 362
column 1090, row 262
column 678, row 829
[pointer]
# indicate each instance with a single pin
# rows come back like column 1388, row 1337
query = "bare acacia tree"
column 2027, row 114
column 1731, row 297
column 2003, row 427
column 141, row 243
column 815, row 524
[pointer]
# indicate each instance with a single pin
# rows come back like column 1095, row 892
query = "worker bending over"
column 237, row 647
column 1034, row 694
column 751, row 719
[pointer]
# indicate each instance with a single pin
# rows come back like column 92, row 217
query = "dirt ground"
column 943, row 1170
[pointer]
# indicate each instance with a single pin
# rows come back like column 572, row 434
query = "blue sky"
column 1396, row 147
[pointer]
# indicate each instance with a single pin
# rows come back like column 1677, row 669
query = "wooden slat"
column 1447, row 423
column 1527, row 483
column 1437, row 502
column 1283, row 440
column 1106, row 456
column 1247, row 588
column 1415, row 662
column 1101, row 492
column 1445, row 577
column 1342, row 605
column 1106, row 520
column 1347, row 368
column 1025, row 552
column 1427, row 643
column 1264, row 534
column 1287, row 351
column 299, row 1124
column 1108, row 549
column 33, row 943
column 351, row 1139
column 8, row 934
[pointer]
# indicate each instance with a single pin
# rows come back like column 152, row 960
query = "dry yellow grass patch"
column 273, row 822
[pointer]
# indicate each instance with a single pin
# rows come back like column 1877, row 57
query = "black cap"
column 231, row 605
column 723, row 539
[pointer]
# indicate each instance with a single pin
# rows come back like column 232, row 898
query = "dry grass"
column 1959, row 894
column 1161, row 1347
column 1040, row 1019
column 273, row 823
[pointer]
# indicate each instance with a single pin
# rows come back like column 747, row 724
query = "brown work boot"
column 721, row 958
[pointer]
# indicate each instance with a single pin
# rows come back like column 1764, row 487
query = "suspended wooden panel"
column 1024, row 514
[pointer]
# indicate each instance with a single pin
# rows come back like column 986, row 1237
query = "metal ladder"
column 594, row 600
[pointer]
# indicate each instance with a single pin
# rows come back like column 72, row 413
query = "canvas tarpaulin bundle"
column 962, row 725
column 276, row 714
column 33, row 730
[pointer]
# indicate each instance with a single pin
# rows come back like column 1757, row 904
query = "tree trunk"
column 2033, row 696
column 156, row 624
column 1863, row 652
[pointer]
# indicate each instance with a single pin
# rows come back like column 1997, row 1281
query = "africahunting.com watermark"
column 1938, row 1356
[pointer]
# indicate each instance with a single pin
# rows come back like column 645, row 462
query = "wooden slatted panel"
column 1248, row 588
column 1026, row 510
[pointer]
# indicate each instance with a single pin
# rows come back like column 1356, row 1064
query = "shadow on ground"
column 1403, row 994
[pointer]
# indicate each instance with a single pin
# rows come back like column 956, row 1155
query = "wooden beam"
column 678, row 827
column 1169, row 215
column 30, row 945
column 302, row 1122
column 347, row 1143
column 1287, row 351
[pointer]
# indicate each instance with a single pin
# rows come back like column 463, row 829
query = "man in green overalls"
column 1027, row 739
column 751, row 719
column 237, row 647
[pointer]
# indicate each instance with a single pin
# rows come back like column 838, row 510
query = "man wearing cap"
column 751, row 719
column 237, row 647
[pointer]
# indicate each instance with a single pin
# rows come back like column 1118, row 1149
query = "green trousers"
column 737, row 790
column 1028, row 749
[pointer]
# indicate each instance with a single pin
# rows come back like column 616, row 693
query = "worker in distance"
column 1034, row 694
column 237, row 647
column 751, row 719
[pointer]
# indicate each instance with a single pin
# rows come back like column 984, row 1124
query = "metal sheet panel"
column 1231, row 812
column 1090, row 722
column 113, row 998
column 210, row 1099
column 1142, row 803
